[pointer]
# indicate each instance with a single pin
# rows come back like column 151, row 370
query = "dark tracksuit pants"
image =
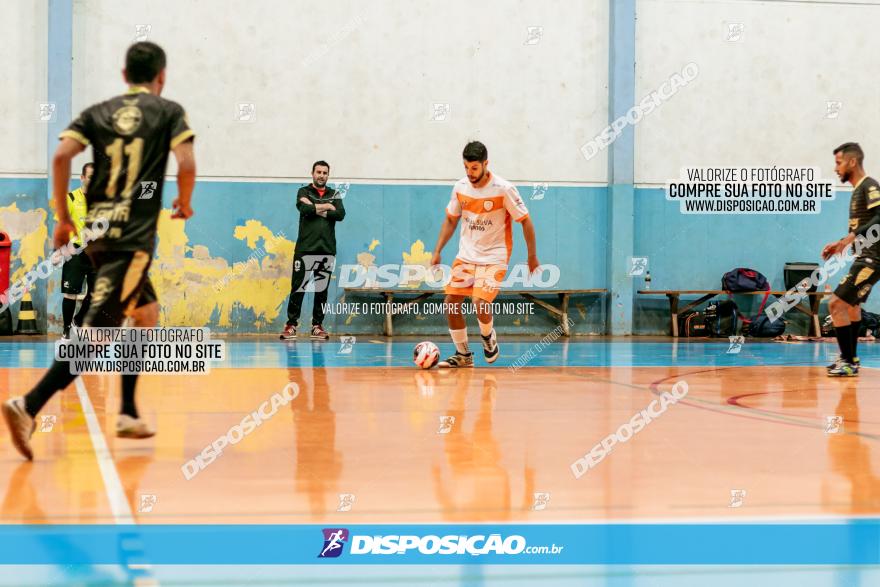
column 311, row 272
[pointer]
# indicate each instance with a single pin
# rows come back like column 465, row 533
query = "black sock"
column 128, row 385
column 83, row 310
column 56, row 378
column 844, row 341
column 68, row 307
column 855, row 337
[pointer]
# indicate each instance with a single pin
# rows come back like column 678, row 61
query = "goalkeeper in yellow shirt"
column 79, row 268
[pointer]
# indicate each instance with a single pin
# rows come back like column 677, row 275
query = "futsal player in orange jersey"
column 488, row 205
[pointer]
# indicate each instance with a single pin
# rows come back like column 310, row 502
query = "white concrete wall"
column 354, row 82
column 23, row 57
column 760, row 100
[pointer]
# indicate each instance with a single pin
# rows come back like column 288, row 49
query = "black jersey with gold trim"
column 862, row 207
column 131, row 136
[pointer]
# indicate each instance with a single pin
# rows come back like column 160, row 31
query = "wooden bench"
column 560, row 311
column 810, row 306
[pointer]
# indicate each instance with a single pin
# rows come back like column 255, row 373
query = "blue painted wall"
column 570, row 224
column 685, row 251
column 693, row 251
column 569, row 221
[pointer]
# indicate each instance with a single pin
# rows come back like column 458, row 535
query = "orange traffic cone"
column 27, row 316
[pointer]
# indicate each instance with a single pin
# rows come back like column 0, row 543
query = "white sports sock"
column 460, row 338
column 487, row 328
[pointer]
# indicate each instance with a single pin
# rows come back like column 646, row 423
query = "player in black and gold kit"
column 854, row 288
column 131, row 136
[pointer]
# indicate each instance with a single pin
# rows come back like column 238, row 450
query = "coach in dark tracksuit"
column 319, row 211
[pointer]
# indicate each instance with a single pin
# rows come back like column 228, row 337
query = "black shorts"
column 856, row 285
column 121, row 285
column 74, row 273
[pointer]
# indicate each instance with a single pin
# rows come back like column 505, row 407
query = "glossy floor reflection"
column 369, row 439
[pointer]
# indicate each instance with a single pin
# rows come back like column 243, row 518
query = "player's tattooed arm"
column 837, row 247
column 186, row 179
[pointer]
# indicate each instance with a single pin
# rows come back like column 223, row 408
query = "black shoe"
column 457, row 360
column 65, row 334
column 490, row 347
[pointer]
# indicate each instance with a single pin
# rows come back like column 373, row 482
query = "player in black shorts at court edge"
column 78, row 269
column 854, row 288
column 131, row 136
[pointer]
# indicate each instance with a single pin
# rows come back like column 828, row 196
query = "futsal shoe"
column 21, row 426
column 65, row 334
column 457, row 360
column 128, row 427
column 289, row 333
column 843, row 369
column 855, row 362
column 490, row 347
column 319, row 333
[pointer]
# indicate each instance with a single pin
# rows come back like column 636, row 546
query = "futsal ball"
column 426, row 354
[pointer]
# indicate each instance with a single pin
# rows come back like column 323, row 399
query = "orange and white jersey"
column 486, row 237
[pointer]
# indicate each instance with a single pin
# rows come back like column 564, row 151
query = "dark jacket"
column 317, row 234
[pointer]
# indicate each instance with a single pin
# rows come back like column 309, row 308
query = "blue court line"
column 845, row 542
column 363, row 353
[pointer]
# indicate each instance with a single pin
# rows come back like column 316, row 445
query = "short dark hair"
column 475, row 151
column 86, row 166
column 322, row 163
column 143, row 62
column 851, row 150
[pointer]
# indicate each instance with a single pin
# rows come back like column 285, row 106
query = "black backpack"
column 762, row 327
column 692, row 324
column 721, row 318
column 870, row 321
column 746, row 280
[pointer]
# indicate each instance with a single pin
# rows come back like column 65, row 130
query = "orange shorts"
column 476, row 281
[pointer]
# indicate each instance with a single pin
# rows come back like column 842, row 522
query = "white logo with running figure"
column 318, row 270
column 541, row 501
column 446, row 424
column 346, row 502
column 736, row 344
column 737, row 497
column 47, row 423
column 833, row 424
column 148, row 500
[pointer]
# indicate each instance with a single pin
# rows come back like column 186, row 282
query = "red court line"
column 734, row 401
column 654, row 389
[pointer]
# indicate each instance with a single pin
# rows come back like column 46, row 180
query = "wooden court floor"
column 371, row 439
